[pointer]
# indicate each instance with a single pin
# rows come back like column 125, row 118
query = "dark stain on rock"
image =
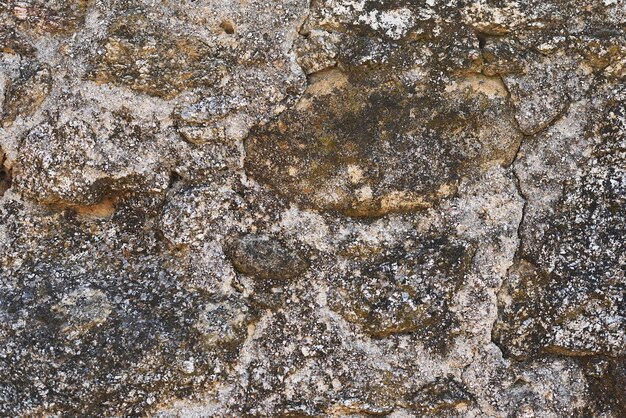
column 368, row 143
column 5, row 173
column 606, row 378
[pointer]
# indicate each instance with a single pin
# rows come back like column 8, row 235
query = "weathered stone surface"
column 12, row 43
column 100, row 343
column 404, row 290
column 24, row 96
column 139, row 53
column 74, row 164
column 570, row 285
column 265, row 258
column 334, row 208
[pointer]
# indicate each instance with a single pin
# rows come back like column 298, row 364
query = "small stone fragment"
column 265, row 258
column 75, row 164
column 318, row 51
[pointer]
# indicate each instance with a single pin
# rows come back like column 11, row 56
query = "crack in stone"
column 520, row 189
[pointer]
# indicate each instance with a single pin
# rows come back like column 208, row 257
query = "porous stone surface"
column 325, row 208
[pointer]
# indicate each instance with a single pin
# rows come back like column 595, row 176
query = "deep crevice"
column 228, row 27
column 6, row 178
column 518, row 230
column 175, row 180
column 482, row 40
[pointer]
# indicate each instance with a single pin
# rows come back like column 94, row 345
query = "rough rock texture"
column 325, row 208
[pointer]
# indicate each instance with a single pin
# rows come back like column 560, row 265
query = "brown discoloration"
column 140, row 55
column 104, row 209
column 56, row 16
column 411, row 146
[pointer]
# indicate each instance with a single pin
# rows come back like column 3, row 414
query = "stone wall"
column 325, row 208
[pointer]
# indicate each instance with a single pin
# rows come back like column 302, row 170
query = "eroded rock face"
column 139, row 53
column 406, row 290
column 98, row 340
column 334, row 208
column 386, row 126
column 571, row 284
